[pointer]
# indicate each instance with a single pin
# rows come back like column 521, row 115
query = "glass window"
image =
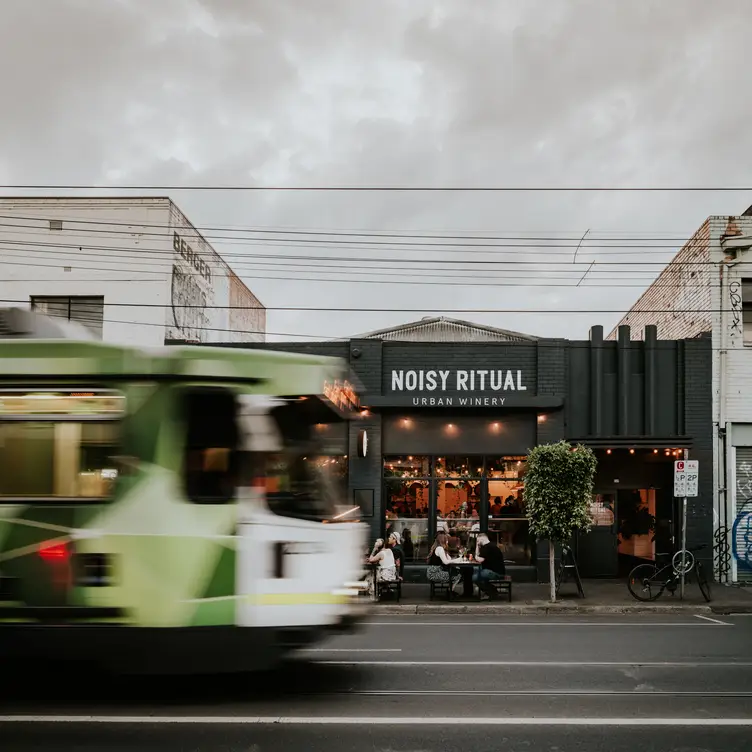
column 459, row 466
column 407, row 503
column 514, row 539
column 458, row 508
column 601, row 510
column 211, row 459
column 88, row 311
column 505, row 498
column 506, row 467
column 302, row 476
column 407, row 466
column 66, row 460
column 302, row 486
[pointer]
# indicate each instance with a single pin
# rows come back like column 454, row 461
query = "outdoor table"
column 463, row 566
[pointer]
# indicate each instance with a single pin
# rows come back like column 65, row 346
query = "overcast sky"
column 399, row 93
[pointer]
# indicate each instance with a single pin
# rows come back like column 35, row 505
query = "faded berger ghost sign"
column 458, row 388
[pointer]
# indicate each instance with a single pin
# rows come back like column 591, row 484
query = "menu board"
column 61, row 403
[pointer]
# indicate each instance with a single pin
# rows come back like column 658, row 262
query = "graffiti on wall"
column 735, row 298
column 188, row 303
column 208, row 303
column 721, row 551
column 741, row 535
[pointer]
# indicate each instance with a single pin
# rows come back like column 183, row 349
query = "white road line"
column 715, row 621
column 542, row 693
column 352, row 650
column 558, row 664
column 371, row 721
column 539, row 624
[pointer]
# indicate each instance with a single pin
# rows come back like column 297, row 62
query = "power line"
column 553, row 342
column 381, row 188
column 532, row 241
column 348, row 259
column 340, row 309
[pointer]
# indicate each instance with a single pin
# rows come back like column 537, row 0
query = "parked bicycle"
column 647, row 581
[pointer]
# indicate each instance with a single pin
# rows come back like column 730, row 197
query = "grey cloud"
column 424, row 92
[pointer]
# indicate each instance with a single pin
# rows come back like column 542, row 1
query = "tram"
column 169, row 510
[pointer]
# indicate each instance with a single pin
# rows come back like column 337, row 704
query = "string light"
column 631, row 451
column 608, row 451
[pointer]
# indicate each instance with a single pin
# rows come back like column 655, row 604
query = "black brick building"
column 452, row 408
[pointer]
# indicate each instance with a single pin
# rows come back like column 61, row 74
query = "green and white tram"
column 171, row 510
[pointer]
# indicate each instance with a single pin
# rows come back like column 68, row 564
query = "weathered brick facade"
column 701, row 291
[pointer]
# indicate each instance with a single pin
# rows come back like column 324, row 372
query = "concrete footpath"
column 601, row 597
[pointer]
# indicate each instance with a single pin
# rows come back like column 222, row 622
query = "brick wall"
column 679, row 301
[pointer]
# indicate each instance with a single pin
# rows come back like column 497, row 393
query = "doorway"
column 597, row 550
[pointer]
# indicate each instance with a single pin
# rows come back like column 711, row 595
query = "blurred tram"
column 169, row 510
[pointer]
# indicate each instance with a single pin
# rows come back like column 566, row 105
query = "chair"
column 503, row 587
column 390, row 586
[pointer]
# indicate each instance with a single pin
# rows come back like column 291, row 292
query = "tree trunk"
column 552, row 570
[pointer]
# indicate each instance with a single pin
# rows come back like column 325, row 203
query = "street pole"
column 684, row 531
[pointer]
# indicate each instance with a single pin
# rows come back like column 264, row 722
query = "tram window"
column 58, row 460
column 211, row 447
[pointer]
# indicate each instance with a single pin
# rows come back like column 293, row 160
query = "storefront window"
column 458, row 508
column 460, row 495
column 407, row 506
column 506, row 467
column 407, row 466
column 459, row 466
column 514, row 539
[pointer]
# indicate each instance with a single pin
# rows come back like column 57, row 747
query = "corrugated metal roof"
column 443, row 329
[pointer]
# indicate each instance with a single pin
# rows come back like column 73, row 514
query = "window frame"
column 54, row 418
column 97, row 329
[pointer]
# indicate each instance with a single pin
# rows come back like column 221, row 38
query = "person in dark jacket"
column 491, row 560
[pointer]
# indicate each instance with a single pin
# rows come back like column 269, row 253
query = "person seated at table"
column 492, row 567
column 438, row 563
column 394, row 544
column 387, row 569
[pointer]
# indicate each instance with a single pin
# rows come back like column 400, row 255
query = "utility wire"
column 338, row 309
column 381, row 188
column 315, row 241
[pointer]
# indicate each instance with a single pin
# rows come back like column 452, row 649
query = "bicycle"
column 647, row 582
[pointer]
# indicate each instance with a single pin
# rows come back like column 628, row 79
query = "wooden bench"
column 393, row 586
column 502, row 587
column 442, row 587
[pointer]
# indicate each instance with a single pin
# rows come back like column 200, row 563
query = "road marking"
column 539, row 624
column 371, row 721
column 633, row 664
column 352, row 650
column 540, row 693
column 715, row 621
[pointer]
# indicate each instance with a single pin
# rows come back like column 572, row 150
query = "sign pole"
column 684, row 531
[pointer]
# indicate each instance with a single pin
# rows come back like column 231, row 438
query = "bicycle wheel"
column 642, row 583
column 703, row 582
column 683, row 561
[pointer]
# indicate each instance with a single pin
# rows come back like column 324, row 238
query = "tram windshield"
column 303, row 477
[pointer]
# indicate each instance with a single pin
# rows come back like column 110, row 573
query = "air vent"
column 56, row 224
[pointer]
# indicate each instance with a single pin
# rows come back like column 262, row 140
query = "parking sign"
column 686, row 476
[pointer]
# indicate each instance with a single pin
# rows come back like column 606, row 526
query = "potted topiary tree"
column 558, row 489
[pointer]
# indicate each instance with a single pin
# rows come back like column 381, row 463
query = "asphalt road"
column 444, row 683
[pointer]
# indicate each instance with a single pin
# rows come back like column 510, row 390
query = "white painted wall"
column 123, row 249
